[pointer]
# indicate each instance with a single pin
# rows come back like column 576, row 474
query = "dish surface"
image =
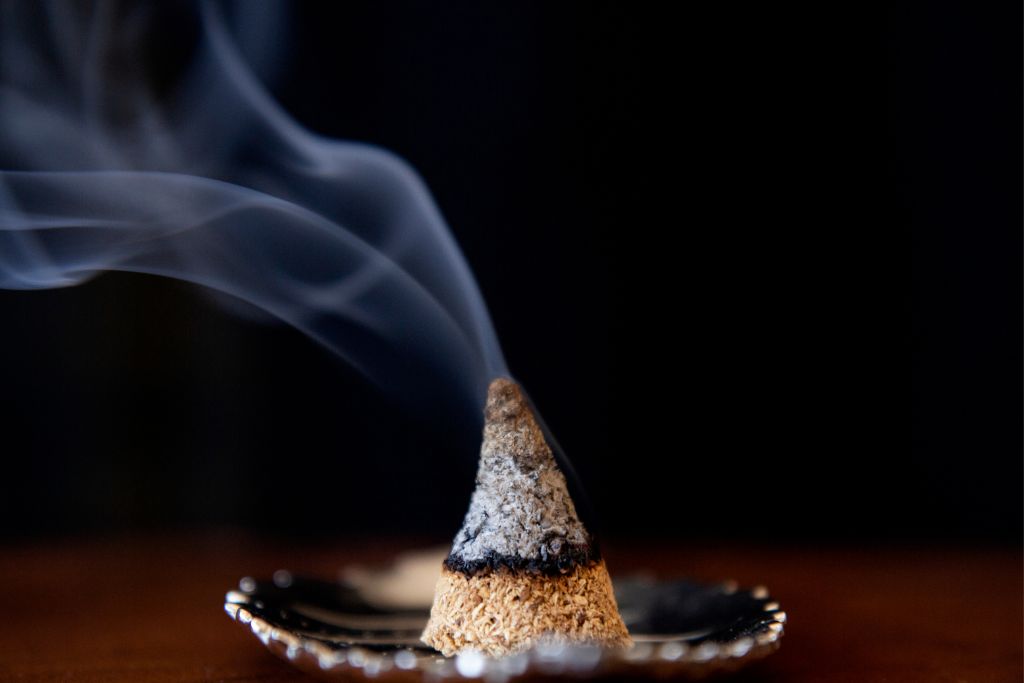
column 369, row 624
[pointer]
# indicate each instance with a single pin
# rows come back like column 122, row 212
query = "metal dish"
column 368, row 625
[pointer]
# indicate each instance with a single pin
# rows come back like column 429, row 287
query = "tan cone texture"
column 499, row 612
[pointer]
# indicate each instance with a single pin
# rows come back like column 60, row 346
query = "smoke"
column 196, row 173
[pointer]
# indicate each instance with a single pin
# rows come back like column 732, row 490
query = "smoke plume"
column 198, row 174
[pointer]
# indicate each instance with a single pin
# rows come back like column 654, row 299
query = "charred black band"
column 553, row 565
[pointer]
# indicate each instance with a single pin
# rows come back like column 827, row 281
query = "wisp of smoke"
column 204, row 178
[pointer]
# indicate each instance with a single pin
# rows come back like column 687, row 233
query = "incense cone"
column 523, row 567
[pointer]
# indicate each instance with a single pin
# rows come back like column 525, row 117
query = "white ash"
column 521, row 506
column 407, row 584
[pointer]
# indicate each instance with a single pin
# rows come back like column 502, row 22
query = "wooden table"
column 150, row 610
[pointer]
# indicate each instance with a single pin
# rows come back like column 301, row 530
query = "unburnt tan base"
column 501, row 611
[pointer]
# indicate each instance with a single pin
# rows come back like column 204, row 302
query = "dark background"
column 758, row 271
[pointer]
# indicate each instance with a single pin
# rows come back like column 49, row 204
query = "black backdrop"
column 754, row 293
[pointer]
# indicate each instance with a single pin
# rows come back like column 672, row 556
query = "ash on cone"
column 523, row 567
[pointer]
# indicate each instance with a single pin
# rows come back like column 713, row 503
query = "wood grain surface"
column 148, row 610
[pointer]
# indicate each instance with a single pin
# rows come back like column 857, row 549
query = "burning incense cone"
column 523, row 567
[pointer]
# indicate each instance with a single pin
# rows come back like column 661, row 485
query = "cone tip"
column 505, row 400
